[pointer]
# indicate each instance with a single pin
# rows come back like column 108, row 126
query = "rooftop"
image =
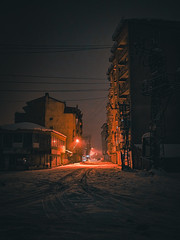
column 27, row 126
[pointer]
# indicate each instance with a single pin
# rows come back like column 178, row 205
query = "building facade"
column 104, row 137
column 30, row 146
column 143, row 91
column 54, row 114
column 86, row 146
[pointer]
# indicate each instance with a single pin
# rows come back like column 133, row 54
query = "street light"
column 76, row 141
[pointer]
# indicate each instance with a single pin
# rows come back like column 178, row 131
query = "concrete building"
column 54, row 114
column 86, row 141
column 143, row 95
column 104, row 137
column 30, row 146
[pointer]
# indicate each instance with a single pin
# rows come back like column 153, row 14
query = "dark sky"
column 31, row 31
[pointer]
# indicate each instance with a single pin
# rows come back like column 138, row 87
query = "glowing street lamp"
column 76, row 141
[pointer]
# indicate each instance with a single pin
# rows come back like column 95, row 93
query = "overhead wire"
column 66, row 100
column 18, row 48
column 55, row 83
column 54, row 90
column 53, row 77
column 53, row 45
column 96, row 110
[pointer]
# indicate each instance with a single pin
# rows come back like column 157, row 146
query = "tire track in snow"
column 103, row 197
column 43, row 187
column 60, row 203
column 98, row 194
column 75, row 195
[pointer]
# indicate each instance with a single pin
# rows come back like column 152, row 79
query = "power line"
column 57, row 51
column 53, row 77
column 51, row 83
column 95, row 111
column 21, row 49
column 85, row 99
column 66, row 100
column 53, row 45
column 54, row 90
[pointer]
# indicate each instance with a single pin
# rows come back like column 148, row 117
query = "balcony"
column 116, row 93
column 110, row 96
column 118, row 29
column 123, row 71
column 122, row 79
column 114, row 47
column 111, row 89
column 124, row 96
column 110, row 69
column 124, row 124
column 123, row 53
column 122, row 63
column 112, row 57
column 124, row 108
column 111, row 101
column 124, row 88
column 110, row 119
column 108, row 106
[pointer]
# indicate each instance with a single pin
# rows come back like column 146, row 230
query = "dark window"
column 44, row 141
column 7, row 140
column 51, row 118
column 18, row 137
column 36, row 138
column 27, row 140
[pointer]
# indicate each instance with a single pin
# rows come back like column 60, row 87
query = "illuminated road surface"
column 89, row 202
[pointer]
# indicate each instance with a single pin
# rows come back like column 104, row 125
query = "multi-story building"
column 54, row 114
column 142, row 95
column 86, row 147
column 104, row 136
column 29, row 146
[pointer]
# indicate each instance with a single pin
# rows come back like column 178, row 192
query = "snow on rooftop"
column 28, row 126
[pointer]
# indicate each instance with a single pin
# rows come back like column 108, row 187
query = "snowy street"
column 92, row 201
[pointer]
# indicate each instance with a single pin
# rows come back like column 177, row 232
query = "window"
column 7, row 140
column 54, row 141
column 27, row 140
column 51, row 118
column 36, row 138
column 18, row 137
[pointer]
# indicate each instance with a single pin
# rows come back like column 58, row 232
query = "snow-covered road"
column 83, row 201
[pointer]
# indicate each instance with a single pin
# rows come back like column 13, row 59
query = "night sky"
column 44, row 44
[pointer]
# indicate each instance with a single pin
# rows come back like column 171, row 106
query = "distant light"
column 77, row 140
